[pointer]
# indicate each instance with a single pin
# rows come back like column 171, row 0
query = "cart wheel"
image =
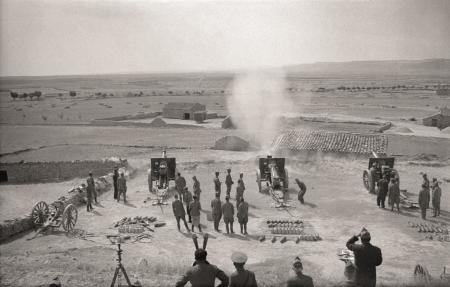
column 39, row 213
column 258, row 179
column 286, row 178
column 69, row 217
column 366, row 179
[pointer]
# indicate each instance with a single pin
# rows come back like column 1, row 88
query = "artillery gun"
column 162, row 170
column 383, row 166
column 58, row 213
column 273, row 172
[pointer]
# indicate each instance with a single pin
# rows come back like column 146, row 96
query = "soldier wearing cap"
column 241, row 277
column 239, row 192
column 187, row 199
column 228, row 214
column 367, row 258
column 242, row 215
column 436, row 197
column 426, row 182
column 180, row 184
column 122, row 187
column 115, row 178
column 300, row 279
column 217, row 184
column 179, row 213
column 216, row 211
column 194, row 209
column 196, row 187
column 372, row 178
column 229, row 181
column 90, row 189
column 203, row 273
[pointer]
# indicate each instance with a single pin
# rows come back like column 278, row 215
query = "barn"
column 183, row 111
column 441, row 120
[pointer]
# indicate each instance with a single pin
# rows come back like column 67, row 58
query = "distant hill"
column 429, row 67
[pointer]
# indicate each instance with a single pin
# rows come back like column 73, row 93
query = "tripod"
column 120, row 268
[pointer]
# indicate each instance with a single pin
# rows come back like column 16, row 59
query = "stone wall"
column 34, row 172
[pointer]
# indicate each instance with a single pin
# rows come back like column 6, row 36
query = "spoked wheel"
column 39, row 213
column 258, row 180
column 69, row 217
column 366, row 180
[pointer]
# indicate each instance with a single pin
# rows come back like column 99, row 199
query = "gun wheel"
column 69, row 217
column 39, row 213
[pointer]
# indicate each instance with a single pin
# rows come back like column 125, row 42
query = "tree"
column 38, row 94
column 14, row 95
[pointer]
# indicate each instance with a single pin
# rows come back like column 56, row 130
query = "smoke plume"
column 257, row 101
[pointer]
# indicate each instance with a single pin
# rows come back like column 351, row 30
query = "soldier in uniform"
column 241, row 177
column 203, row 274
column 423, row 201
column 229, row 181
column 115, row 178
column 372, row 178
column 217, row 183
column 394, row 195
column 163, row 182
column 195, row 208
column 302, row 190
column 216, row 211
column 228, row 214
column 367, row 258
column 90, row 191
column 196, row 187
column 179, row 213
column 241, row 277
column 180, row 184
column 122, row 186
column 300, row 279
column 150, row 180
column 436, row 198
column 383, row 186
column 242, row 215
column 239, row 192
column 426, row 182
column 187, row 199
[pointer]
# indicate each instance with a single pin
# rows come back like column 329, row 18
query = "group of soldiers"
column 187, row 203
column 425, row 197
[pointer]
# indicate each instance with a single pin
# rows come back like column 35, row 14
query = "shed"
column 440, row 120
column 183, row 111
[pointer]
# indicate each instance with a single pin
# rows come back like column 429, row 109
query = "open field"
column 337, row 205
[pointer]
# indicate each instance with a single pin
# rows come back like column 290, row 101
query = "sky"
column 69, row 37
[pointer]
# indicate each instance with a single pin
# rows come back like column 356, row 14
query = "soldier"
column 196, row 187
column 163, row 182
column 187, row 199
column 90, row 191
column 302, row 190
column 180, row 184
column 242, row 215
column 436, row 198
column 122, row 187
column 394, row 195
column 241, row 176
column 115, row 177
column 203, row 273
column 179, row 213
column 367, row 258
column 423, row 201
column 216, row 211
column 383, row 186
column 372, row 177
column 228, row 214
column 426, row 182
column 195, row 208
column 228, row 181
column 300, row 279
column 150, row 180
column 239, row 192
column 241, row 277
column 217, row 183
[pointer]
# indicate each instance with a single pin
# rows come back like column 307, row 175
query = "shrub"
column 14, row 96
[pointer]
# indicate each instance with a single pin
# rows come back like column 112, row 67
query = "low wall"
column 34, row 172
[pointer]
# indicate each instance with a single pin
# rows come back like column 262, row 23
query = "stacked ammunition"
column 284, row 226
column 137, row 224
column 429, row 227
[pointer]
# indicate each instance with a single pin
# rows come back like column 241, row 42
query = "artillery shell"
column 283, row 240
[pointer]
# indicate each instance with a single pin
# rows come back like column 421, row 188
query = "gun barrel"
column 375, row 154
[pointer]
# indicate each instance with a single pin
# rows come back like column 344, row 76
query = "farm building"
column 441, row 120
column 184, row 111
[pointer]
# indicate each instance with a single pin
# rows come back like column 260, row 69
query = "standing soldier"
column 203, row 274
column 195, row 208
column 178, row 211
column 187, row 199
column 367, row 258
column 217, row 183
column 436, row 200
column 229, row 182
column 90, row 191
column 216, row 211
column 242, row 215
column 241, row 176
column 180, row 184
column 302, row 191
column 394, row 195
column 196, row 187
column 228, row 214
column 241, row 277
column 423, row 201
column 372, row 178
column 122, row 186
column 239, row 192
column 383, row 186
column 426, row 182
column 150, row 180
column 115, row 178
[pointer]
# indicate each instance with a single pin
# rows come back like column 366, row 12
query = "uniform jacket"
column 228, row 210
column 196, row 187
column 203, row 275
column 300, row 280
column 424, row 198
column 242, row 210
column 178, row 208
column 195, row 208
column 367, row 257
column 436, row 196
column 90, row 188
column 115, row 177
column 228, row 180
column 393, row 193
column 240, row 190
column 122, row 184
column 180, row 183
column 243, row 278
column 383, row 185
column 216, row 206
column 187, row 197
column 217, row 184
